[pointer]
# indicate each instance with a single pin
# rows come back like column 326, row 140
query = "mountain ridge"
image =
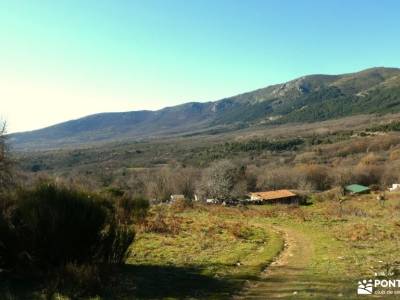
column 308, row 98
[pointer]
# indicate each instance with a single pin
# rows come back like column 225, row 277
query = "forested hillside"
column 306, row 99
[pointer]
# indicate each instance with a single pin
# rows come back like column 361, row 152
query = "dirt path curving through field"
column 290, row 276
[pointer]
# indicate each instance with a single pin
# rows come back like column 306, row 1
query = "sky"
column 64, row 59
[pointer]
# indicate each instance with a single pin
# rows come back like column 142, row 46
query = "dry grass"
column 161, row 221
column 365, row 232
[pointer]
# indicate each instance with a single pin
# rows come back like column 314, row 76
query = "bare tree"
column 222, row 180
column 159, row 184
column 184, row 181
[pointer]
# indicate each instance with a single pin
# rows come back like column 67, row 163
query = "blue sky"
column 68, row 58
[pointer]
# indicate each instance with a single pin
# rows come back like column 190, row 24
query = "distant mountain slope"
column 306, row 99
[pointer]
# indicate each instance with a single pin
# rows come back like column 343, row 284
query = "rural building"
column 395, row 187
column 273, row 197
column 211, row 201
column 177, row 197
column 357, row 189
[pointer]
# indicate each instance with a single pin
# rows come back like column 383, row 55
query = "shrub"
column 9, row 244
column 368, row 174
column 395, row 154
column 278, row 178
column 239, row 230
column 343, row 176
column 333, row 194
column 161, row 223
column 370, row 159
column 114, row 248
column 390, row 174
column 365, row 232
column 132, row 210
column 181, row 205
column 59, row 225
column 53, row 226
column 315, row 176
column 79, row 280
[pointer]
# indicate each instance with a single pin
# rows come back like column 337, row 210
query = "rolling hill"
column 306, row 99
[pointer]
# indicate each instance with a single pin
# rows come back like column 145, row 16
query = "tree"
column 5, row 162
column 184, row 181
column 159, row 184
column 222, row 180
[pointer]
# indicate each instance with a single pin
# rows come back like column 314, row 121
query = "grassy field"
column 219, row 248
column 214, row 252
column 335, row 246
column 346, row 243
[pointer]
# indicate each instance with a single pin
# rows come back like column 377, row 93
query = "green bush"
column 132, row 210
column 59, row 225
column 78, row 280
column 52, row 226
column 9, row 243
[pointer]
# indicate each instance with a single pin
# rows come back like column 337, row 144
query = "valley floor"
column 328, row 248
column 319, row 251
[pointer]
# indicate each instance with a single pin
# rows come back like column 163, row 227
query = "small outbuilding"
column 275, row 197
column 395, row 187
column 212, row 201
column 177, row 198
column 357, row 189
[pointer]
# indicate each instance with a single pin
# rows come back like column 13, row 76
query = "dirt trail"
column 286, row 277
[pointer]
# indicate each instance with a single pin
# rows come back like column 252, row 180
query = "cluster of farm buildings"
column 284, row 196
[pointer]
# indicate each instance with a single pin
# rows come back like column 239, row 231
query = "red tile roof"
column 272, row 195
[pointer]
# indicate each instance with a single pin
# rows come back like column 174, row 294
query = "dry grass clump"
column 161, row 222
column 238, row 230
column 383, row 143
column 329, row 195
column 352, row 147
column 181, row 205
column 341, row 210
column 371, row 159
column 288, row 212
column 306, row 157
column 298, row 213
column 352, row 210
column 394, row 154
column 364, row 232
column 276, row 211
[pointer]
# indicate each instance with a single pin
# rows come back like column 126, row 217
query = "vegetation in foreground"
column 60, row 238
column 214, row 252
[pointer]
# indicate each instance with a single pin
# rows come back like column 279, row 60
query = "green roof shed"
column 357, row 189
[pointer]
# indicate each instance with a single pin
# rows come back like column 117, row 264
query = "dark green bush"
column 9, row 243
column 132, row 210
column 53, row 226
column 78, row 280
column 59, row 225
column 114, row 248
